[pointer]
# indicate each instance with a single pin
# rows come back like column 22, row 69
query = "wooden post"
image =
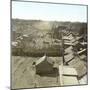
column 62, row 47
column 61, row 75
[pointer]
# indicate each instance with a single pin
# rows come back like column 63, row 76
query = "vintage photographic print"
column 48, row 44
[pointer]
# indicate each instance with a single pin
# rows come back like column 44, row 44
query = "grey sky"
column 44, row 11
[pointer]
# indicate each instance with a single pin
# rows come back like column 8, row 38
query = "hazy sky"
column 44, row 11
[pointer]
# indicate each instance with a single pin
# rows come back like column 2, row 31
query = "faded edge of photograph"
column 48, row 45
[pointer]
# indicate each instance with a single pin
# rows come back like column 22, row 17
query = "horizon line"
column 50, row 20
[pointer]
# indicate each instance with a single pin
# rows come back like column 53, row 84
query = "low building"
column 67, row 76
column 44, row 65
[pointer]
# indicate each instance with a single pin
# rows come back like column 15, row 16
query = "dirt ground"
column 23, row 73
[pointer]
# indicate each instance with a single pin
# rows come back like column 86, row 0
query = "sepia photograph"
column 49, row 44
